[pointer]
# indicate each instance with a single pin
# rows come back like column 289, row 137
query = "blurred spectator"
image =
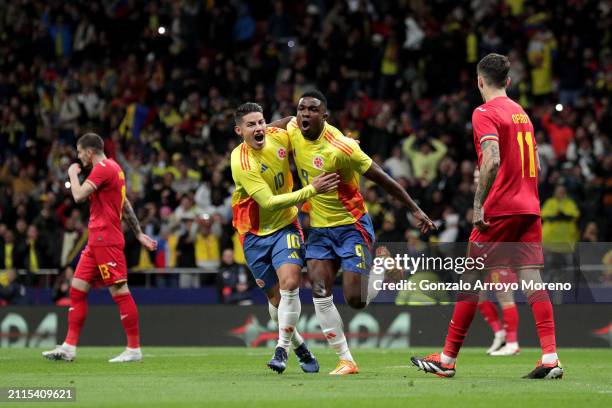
column 186, row 210
column 73, row 239
column 36, row 251
column 207, row 246
column 559, row 132
column 396, row 165
column 560, row 221
column 61, row 288
column 233, row 281
column 425, row 160
column 185, row 252
column 590, row 233
column 10, row 252
column 559, row 234
column 388, row 233
column 166, row 255
column 450, row 231
column 69, row 112
column 13, row 292
column 540, row 52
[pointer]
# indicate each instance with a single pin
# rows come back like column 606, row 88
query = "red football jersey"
column 515, row 190
column 106, row 204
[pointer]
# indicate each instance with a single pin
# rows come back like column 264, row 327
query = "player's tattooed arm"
column 488, row 173
column 377, row 175
column 130, row 218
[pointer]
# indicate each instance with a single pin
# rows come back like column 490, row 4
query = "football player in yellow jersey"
column 341, row 234
column 265, row 216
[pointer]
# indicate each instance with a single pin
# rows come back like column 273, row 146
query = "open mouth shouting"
column 305, row 125
column 259, row 139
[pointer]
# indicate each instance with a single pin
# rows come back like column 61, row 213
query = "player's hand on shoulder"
column 74, row 169
column 326, row 182
column 147, row 242
column 423, row 223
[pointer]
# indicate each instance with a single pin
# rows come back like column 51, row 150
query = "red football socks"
column 488, row 310
column 464, row 312
column 545, row 324
column 77, row 313
column 511, row 320
column 129, row 318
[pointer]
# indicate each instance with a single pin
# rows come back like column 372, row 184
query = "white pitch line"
column 175, row 355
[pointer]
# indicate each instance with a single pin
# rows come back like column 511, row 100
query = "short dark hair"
column 91, row 141
column 245, row 109
column 494, row 68
column 315, row 93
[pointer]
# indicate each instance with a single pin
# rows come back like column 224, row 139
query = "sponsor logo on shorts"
column 260, row 283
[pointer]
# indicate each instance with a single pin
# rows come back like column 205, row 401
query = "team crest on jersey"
column 282, row 153
column 318, row 162
column 260, row 283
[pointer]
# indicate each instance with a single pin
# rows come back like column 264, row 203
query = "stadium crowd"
column 159, row 81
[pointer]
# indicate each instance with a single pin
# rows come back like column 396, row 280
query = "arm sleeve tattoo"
column 130, row 218
column 488, row 171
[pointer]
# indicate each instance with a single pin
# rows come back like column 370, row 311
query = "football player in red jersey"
column 506, row 210
column 505, row 339
column 102, row 261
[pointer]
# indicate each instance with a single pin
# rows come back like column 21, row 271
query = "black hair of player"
column 315, row 93
column 245, row 109
column 494, row 68
column 91, row 141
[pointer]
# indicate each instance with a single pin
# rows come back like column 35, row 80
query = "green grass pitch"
column 196, row 377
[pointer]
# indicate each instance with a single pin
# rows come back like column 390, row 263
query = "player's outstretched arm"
column 130, row 218
column 79, row 191
column 377, row 175
column 488, row 173
column 320, row 184
column 281, row 123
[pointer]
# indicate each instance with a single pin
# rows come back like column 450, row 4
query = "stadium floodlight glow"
column 291, row 44
column 161, row 30
column 558, row 107
column 67, row 184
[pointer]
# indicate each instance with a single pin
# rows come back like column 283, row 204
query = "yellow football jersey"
column 263, row 201
column 332, row 152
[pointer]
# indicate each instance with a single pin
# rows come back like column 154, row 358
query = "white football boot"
column 129, row 355
column 63, row 352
